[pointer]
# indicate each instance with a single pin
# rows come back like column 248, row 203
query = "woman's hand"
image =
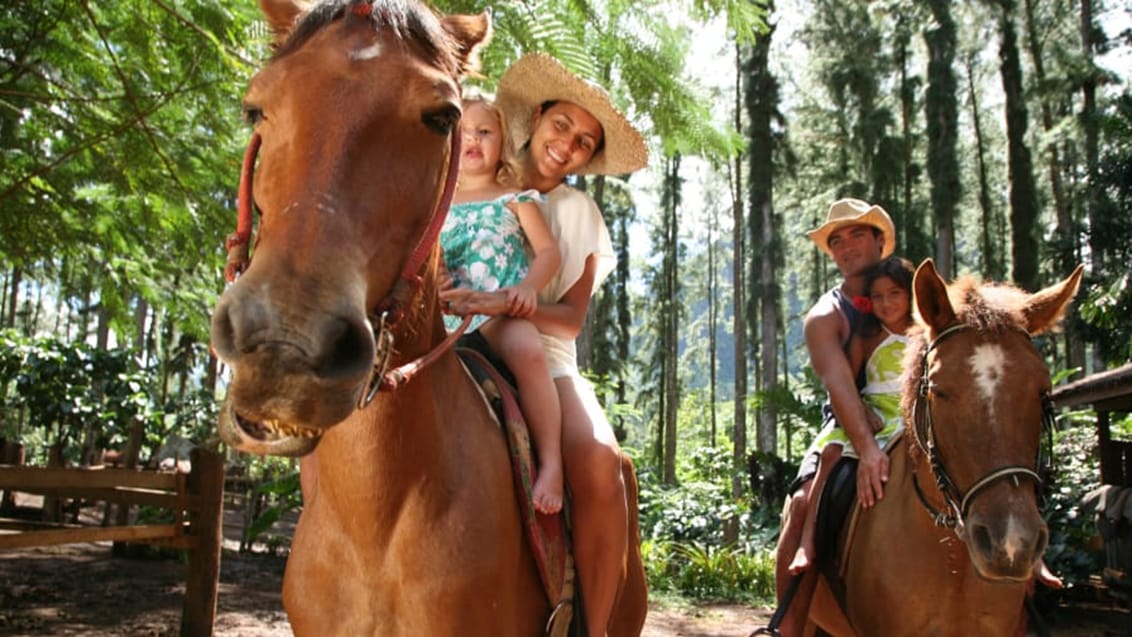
column 463, row 301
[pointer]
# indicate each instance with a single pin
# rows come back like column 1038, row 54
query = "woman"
column 567, row 126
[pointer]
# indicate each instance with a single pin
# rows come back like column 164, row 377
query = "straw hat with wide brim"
column 536, row 78
column 854, row 212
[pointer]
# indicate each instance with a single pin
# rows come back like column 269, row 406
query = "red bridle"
column 389, row 310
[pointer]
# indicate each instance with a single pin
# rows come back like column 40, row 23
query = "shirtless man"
column 857, row 235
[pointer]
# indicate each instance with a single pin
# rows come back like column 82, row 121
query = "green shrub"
column 709, row 572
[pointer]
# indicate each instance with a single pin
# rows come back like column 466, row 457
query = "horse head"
column 977, row 401
column 354, row 119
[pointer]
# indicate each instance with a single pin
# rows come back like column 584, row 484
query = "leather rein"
column 390, row 310
column 956, row 502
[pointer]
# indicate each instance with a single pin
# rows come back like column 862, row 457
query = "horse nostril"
column 347, row 349
column 981, row 539
column 223, row 332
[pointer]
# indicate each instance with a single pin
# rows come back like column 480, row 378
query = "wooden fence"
column 195, row 499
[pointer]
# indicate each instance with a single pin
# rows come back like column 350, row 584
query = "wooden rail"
column 196, row 500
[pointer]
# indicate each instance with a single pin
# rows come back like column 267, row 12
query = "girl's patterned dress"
column 484, row 247
column 881, row 393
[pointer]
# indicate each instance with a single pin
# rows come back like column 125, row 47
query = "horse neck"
column 919, row 520
column 370, row 465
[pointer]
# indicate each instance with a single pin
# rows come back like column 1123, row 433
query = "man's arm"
column 823, row 331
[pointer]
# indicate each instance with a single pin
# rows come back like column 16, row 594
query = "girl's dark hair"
column 900, row 270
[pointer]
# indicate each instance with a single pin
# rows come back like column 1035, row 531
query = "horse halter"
column 390, row 310
column 956, row 502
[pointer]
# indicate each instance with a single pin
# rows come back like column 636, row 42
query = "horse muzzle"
column 1006, row 546
column 264, row 437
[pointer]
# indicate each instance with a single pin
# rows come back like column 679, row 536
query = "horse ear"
column 281, row 15
column 1045, row 309
column 931, row 300
column 470, row 33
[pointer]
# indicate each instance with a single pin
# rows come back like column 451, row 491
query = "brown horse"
column 951, row 547
column 411, row 525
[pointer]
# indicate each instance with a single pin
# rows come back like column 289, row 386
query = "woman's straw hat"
column 536, row 78
column 854, row 212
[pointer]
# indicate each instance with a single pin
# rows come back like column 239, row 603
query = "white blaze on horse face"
column 988, row 365
column 370, row 52
column 1013, row 545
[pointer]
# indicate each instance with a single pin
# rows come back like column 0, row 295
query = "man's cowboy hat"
column 536, row 78
column 854, row 212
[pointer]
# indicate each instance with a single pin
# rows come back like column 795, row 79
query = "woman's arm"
column 545, row 259
column 566, row 317
column 563, row 318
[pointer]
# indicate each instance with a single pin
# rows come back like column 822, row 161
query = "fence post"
column 206, row 480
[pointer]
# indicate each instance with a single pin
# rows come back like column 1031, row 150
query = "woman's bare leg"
column 517, row 343
column 598, row 508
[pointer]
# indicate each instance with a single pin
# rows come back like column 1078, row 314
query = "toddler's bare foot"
column 547, row 492
column 1046, row 577
column 801, row 562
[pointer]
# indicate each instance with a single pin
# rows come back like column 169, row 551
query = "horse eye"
column 252, row 114
column 442, row 120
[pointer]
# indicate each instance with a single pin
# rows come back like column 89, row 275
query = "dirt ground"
column 83, row 590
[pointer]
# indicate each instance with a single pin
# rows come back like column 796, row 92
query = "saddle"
column 547, row 534
column 838, row 501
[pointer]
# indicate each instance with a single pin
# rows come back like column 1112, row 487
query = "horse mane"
column 410, row 21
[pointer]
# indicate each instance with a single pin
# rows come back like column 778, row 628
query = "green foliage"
column 1071, row 526
column 53, row 390
column 708, row 571
column 69, row 386
column 683, row 526
column 119, row 127
column 284, row 495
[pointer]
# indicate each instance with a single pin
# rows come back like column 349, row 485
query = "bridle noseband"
column 389, row 311
column 957, row 503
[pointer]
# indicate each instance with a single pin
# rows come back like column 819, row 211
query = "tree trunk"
column 1023, row 195
column 624, row 317
column 761, row 98
column 942, row 115
column 1089, row 127
column 137, row 427
column 739, row 303
column 903, row 220
column 14, row 297
column 991, row 249
column 713, row 312
column 585, row 338
column 672, row 319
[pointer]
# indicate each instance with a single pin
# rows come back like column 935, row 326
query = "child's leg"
column 807, row 550
column 517, row 343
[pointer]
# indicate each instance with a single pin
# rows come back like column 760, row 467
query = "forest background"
column 997, row 133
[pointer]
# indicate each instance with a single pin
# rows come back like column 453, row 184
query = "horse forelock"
column 991, row 308
column 409, row 20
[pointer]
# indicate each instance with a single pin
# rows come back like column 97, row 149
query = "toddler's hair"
column 509, row 170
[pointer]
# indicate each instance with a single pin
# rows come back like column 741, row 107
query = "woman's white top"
column 577, row 224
